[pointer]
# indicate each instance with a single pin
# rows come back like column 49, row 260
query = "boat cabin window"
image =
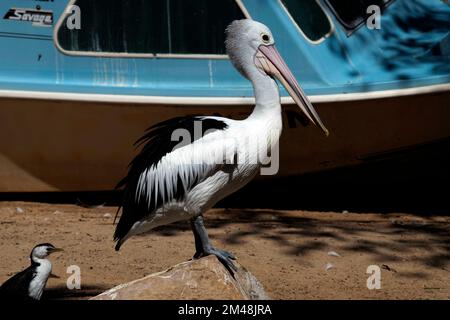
column 310, row 18
column 353, row 13
column 148, row 27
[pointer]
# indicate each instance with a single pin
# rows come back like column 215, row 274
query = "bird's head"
column 251, row 48
column 43, row 250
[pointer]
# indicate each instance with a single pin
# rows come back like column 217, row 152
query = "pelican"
column 189, row 163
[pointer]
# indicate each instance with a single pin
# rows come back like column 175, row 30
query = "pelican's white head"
column 43, row 250
column 251, row 48
column 244, row 37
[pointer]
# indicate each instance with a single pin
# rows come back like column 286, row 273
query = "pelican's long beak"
column 269, row 60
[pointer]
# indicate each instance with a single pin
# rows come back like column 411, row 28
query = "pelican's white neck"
column 267, row 95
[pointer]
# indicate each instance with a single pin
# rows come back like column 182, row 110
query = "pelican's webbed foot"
column 204, row 248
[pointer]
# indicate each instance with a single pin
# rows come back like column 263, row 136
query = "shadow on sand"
column 63, row 293
column 385, row 240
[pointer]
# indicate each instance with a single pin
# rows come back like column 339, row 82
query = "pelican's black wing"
column 158, row 142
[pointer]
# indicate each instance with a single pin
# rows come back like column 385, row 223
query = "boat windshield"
column 353, row 13
column 149, row 27
column 309, row 17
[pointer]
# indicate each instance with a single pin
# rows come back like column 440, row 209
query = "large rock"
column 205, row 278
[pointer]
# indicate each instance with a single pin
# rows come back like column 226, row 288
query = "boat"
column 81, row 80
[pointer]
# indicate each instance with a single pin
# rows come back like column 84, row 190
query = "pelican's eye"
column 265, row 37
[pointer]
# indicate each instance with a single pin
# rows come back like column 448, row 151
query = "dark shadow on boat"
column 409, row 181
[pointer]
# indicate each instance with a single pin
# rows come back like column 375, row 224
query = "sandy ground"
column 288, row 251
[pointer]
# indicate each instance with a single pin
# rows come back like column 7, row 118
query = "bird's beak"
column 53, row 250
column 54, row 276
column 269, row 60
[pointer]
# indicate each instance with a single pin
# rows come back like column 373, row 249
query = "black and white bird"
column 189, row 163
column 30, row 283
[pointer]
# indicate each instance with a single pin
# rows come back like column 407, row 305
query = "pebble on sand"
column 333, row 254
column 19, row 210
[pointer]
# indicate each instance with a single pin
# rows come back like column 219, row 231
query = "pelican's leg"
column 203, row 246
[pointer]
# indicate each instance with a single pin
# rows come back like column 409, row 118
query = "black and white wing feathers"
column 166, row 168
